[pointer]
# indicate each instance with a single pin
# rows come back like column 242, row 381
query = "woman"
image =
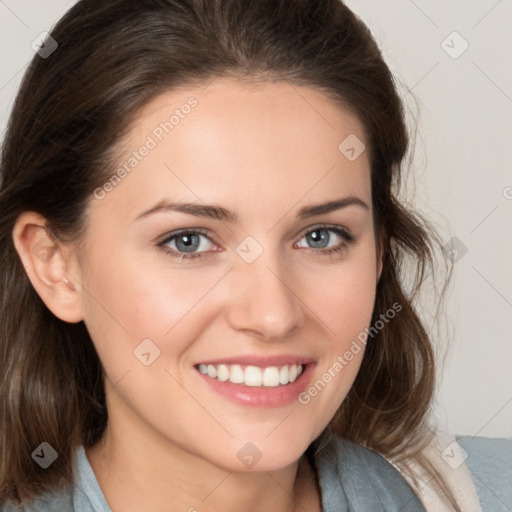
column 202, row 304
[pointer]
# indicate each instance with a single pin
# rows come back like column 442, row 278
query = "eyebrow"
column 220, row 213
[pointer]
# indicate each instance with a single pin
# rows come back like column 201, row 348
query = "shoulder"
column 84, row 495
column 61, row 500
column 361, row 479
column 490, row 464
column 477, row 471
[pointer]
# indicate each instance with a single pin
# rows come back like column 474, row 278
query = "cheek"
column 344, row 296
column 129, row 300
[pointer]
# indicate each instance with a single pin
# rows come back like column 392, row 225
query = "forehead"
column 232, row 141
column 228, row 107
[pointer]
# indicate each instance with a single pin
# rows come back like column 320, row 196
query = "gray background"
column 462, row 176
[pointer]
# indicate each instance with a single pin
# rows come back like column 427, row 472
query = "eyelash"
column 341, row 232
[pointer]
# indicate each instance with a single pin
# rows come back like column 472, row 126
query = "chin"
column 272, row 453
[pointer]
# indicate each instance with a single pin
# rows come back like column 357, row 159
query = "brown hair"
column 72, row 110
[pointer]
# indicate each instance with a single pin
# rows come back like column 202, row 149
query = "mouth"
column 261, row 382
column 253, row 376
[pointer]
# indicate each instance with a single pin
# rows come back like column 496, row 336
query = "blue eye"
column 319, row 238
column 188, row 244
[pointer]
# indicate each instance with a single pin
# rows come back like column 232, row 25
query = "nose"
column 263, row 300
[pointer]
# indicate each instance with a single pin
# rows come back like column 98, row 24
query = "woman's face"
column 248, row 290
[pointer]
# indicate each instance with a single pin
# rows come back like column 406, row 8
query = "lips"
column 269, row 381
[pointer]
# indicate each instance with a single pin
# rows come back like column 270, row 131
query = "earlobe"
column 49, row 265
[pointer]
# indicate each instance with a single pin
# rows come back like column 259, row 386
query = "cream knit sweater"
column 447, row 456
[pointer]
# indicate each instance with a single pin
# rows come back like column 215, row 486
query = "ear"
column 50, row 265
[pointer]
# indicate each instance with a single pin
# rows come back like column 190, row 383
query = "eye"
column 184, row 244
column 320, row 237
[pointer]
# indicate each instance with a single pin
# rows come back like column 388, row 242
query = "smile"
column 253, row 376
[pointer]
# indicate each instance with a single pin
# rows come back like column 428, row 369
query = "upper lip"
column 262, row 361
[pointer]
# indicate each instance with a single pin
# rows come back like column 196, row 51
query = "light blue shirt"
column 352, row 479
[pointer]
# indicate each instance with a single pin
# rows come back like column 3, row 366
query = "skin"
column 263, row 151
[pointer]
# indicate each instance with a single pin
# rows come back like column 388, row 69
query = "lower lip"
column 259, row 396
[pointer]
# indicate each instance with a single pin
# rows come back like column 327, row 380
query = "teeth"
column 271, row 377
column 222, row 372
column 283, row 375
column 236, row 374
column 253, row 376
